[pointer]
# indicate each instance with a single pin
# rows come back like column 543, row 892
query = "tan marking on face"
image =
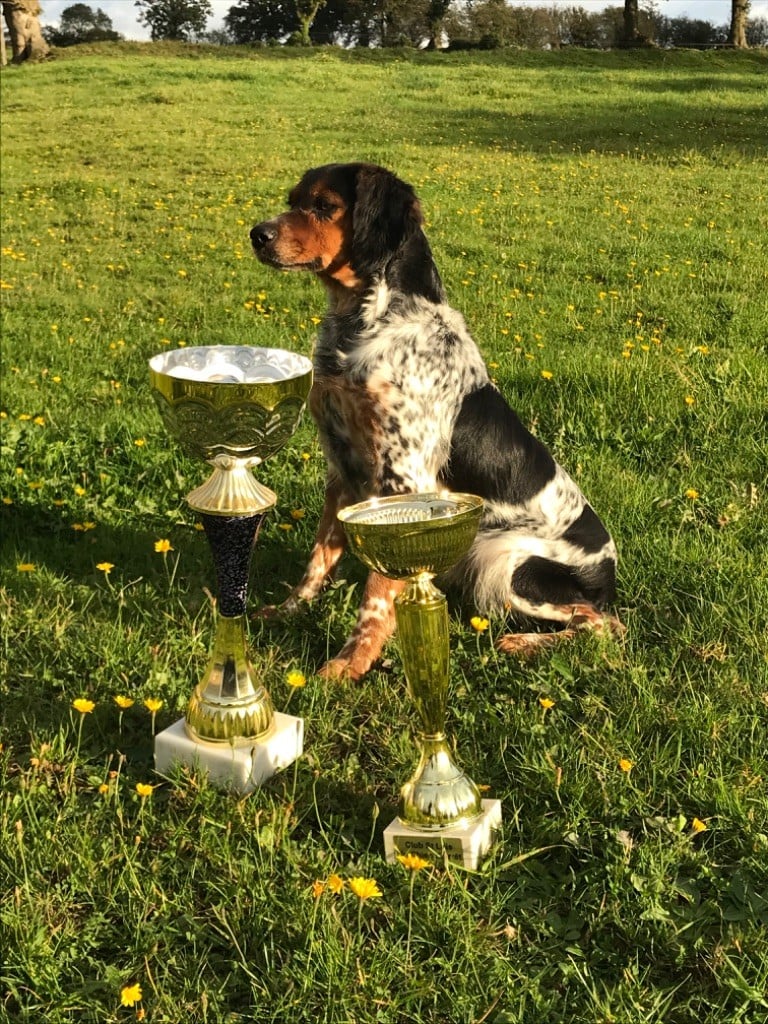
column 316, row 233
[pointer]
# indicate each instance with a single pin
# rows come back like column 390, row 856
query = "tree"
column 632, row 36
column 23, row 20
column 174, row 19
column 306, row 12
column 81, row 24
column 738, row 33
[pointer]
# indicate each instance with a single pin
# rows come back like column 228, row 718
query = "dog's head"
column 347, row 223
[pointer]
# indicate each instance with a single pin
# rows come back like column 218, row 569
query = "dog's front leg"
column 327, row 549
column 375, row 624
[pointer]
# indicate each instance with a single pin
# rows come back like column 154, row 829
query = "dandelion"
column 153, row 705
column 139, row 442
column 79, row 491
column 692, row 494
column 296, row 679
column 103, row 789
column 39, row 421
column 318, row 888
column 698, row 825
column 365, row 888
column 144, row 789
column 412, row 861
column 626, row 765
column 689, row 400
column 297, row 513
column 83, row 705
column 123, row 703
column 105, row 567
column 335, row 884
column 479, row 624
column 547, row 374
column 546, row 703
column 26, row 567
column 130, row 995
column 162, row 547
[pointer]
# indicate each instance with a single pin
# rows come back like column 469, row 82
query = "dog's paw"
column 344, row 668
column 269, row 612
column 529, row 645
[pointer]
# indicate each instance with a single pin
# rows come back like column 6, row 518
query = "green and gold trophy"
column 233, row 406
column 414, row 537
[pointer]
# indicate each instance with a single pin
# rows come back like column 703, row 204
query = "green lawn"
column 600, row 219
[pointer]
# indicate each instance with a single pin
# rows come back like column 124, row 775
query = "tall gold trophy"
column 414, row 537
column 233, row 406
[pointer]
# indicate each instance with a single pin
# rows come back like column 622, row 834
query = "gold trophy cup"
column 233, row 406
column 414, row 537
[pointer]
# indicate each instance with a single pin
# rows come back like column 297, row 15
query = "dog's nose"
column 263, row 234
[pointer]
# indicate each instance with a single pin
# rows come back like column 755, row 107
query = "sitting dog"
column 404, row 404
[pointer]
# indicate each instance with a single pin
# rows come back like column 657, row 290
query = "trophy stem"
column 228, row 705
column 439, row 794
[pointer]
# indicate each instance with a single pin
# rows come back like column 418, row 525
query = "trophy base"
column 235, row 769
column 463, row 844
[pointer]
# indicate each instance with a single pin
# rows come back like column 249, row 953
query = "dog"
column 403, row 403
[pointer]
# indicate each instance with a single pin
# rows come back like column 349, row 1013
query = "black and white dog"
column 404, row 404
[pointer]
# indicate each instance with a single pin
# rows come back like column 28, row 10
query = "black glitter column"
column 231, row 539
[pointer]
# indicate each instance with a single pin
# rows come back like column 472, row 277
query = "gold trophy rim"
column 442, row 539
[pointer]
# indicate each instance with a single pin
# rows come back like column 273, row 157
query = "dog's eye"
column 323, row 207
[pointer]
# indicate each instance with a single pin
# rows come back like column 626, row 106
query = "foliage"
column 599, row 220
column 81, row 24
column 174, row 19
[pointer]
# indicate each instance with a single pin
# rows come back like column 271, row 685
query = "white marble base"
column 237, row 769
column 465, row 845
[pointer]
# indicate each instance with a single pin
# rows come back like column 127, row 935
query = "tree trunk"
column 738, row 34
column 23, row 20
column 631, row 23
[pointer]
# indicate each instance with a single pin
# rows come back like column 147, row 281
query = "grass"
column 599, row 217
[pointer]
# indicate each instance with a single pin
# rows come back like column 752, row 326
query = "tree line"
column 450, row 24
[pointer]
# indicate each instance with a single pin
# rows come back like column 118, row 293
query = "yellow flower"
column 692, row 493
column 689, row 400
column 318, row 888
column 25, row 567
column 139, row 442
column 163, row 546
column 84, row 706
column 105, row 567
column 365, row 888
column 412, row 861
column 626, row 765
column 296, row 678
column 547, row 374
column 130, row 995
column 144, row 789
column 123, row 702
column 79, row 491
column 297, row 513
column 153, row 704
column 546, row 703
column 39, row 420
column 103, row 788
column 698, row 825
column 335, row 884
column 479, row 624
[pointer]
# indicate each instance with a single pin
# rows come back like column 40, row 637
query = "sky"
column 123, row 12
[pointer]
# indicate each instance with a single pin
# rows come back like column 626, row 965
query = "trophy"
column 233, row 406
column 414, row 537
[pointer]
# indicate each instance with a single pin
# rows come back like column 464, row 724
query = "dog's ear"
column 386, row 212
column 387, row 237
